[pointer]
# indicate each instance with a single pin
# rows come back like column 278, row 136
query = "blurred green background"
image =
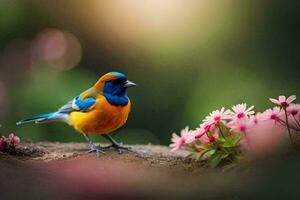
column 187, row 57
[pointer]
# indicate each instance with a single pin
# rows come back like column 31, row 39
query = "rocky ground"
column 146, row 155
column 66, row 171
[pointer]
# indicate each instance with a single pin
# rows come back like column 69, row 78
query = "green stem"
column 221, row 131
column 284, row 124
column 287, row 125
column 296, row 121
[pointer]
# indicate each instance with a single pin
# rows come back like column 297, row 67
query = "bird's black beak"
column 129, row 84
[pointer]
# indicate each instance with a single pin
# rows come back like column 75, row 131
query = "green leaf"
column 215, row 159
column 233, row 141
column 225, row 155
column 228, row 142
column 202, row 153
column 219, row 141
column 209, row 134
column 237, row 139
column 223, row 129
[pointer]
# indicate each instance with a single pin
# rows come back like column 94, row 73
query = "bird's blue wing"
column 84, row 105
column 78, row 105
column 67, row 108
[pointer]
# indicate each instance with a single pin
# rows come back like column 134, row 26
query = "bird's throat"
column 116, row 100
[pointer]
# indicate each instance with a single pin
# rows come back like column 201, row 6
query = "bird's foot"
column 117, row 147
column 95, row 149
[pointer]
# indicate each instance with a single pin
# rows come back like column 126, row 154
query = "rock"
column 68, row 171
column 48, row 170
column 154, row 155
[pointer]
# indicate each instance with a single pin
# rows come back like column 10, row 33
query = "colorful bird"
column 99, row 110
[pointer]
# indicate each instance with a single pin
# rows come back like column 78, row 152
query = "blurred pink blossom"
column 283, row 101
column 293, row 112
column 265, row 138
column 240, row 125
column 3, row 143
column 79, row 178
column 15, row 140
column 293, row 109
column 9, row 143
column 255, row 119
column 273, row 114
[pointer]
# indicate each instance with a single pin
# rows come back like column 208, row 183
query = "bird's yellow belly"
column 104, row 118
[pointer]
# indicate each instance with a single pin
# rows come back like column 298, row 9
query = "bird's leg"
column 115, row 145
column 93, row 147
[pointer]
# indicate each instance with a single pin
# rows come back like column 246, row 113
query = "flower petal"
column 290, row 99
column 274, row 101
column 282, row 98
column 250, row 108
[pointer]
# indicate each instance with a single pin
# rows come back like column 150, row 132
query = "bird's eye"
column 118, row 81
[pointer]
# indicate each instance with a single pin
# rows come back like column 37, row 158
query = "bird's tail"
column 43, row 118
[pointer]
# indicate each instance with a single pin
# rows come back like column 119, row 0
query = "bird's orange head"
column 115, row 78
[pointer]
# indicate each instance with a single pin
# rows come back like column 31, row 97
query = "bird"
column 99, row 110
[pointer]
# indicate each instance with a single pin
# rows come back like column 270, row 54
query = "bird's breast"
column 102, row 119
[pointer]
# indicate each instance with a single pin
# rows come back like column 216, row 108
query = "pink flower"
column 293, row 112
column 204, row 128
column 200, row 132
column 217, row 116
column 186, row 137
column 255, row 119
column 15, row 140
column 283, row 101
column 293, row 109
column 3, row 143
column 240, row 111
column 9, row 143
column 177, row 142
column 240, row 126
column 265, row 138
column 272, row 114
column 208, row 140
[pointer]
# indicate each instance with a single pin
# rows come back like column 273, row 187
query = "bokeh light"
column 15, row 60
column 3, row 100
column 60, row 49
column 159, row 26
